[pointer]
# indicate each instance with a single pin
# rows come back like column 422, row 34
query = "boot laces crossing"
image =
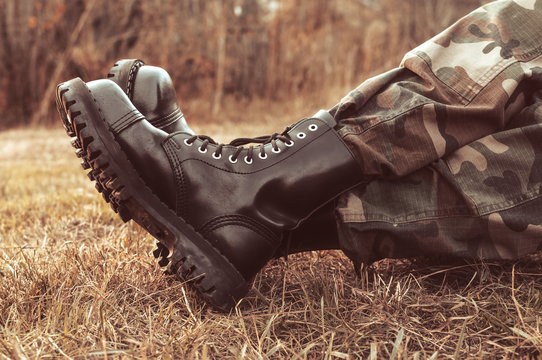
column 240, row 142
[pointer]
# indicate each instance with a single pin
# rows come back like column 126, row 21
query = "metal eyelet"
column 231, row 160
column 301, row 135
column 219, row 156
column 203, row 151
column 248, row 162
column 289, row 143
column 187, row 143
column 262, row 157
column 313, row 127
column 276, row 151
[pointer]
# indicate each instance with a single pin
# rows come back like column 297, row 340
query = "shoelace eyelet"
column 217, row 157
column 248, row 162
column 231, row 160
column 262, row 157
column 313, row 127
column 276, row 151
column 187, row 143
column 301, row 135
column 289, row 143
column 203, row 151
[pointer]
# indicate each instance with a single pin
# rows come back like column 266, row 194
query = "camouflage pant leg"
column 452, row 144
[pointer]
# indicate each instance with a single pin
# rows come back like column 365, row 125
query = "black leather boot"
column 221, row 209
column 152, row 92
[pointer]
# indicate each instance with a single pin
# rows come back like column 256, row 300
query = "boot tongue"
column 325, row 116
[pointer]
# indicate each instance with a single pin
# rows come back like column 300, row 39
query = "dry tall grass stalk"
column 75, row 282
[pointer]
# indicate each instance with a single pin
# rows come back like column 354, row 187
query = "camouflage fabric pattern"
column 451, row 142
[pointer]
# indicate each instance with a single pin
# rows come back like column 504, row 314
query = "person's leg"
column 443, row 185
column 406, row 126
column 483, row 201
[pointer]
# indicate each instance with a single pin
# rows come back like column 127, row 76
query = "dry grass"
column 75, row 282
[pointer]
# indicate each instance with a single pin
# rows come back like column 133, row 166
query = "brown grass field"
column 76, row 282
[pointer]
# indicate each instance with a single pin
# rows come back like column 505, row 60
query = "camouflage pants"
column 451, row 142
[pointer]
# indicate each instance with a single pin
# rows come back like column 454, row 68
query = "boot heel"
column 124, row 72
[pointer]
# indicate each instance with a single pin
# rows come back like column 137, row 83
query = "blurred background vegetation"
column 223, row 55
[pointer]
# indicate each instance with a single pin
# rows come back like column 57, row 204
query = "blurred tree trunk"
column 273, row 59
column 45, row 103
column 222, row 21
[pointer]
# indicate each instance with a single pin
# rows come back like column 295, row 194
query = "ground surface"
column 76, row 282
